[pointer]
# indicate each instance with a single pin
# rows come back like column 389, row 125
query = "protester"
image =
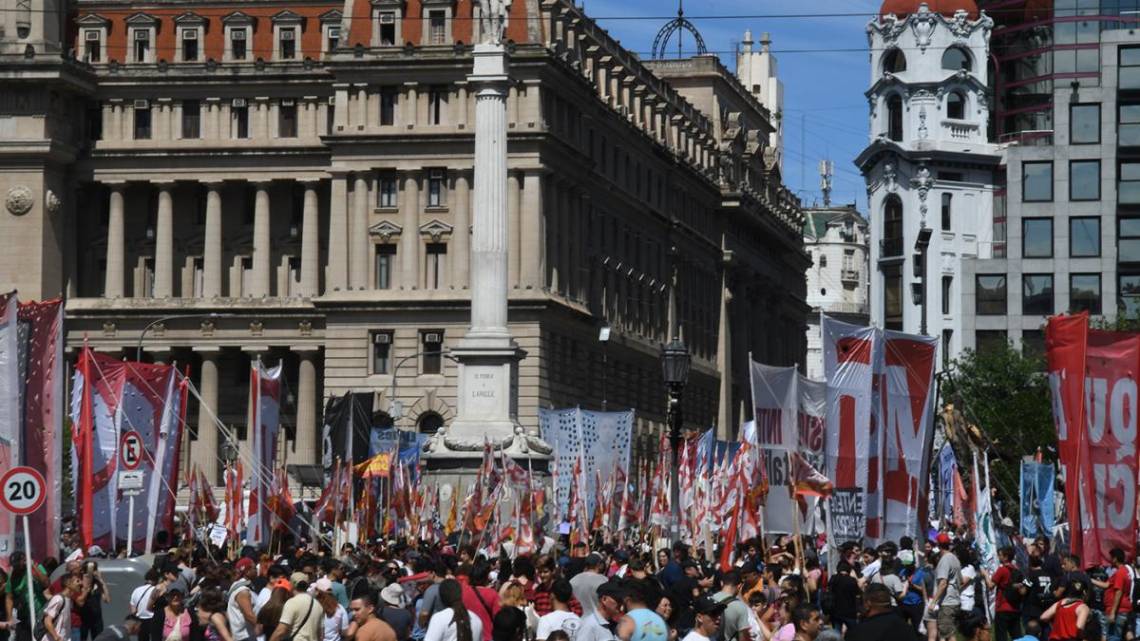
column 394, row 612
column 880, row 620
column 453, row 622
column 640, row 623
column 560, row 617
column 708, row 615
column 1069, row 617
column 946, row 602
column 366, row 626
column 132, row 626
column 211, row 611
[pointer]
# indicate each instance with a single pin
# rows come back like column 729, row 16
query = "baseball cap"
column 297, row 577
column 942, row 539
column 243, row 563
column 705, row 605
column 283, row 583
column 393, row 595
column 321, row 585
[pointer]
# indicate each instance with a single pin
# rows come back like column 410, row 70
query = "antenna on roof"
column 826, row 171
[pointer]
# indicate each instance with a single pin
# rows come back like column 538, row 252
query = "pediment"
column 287, row 17
column 385, row 229
column 93, row 20
column 142, row 20
column 238, row 18
column 331, row 16
column 436, row 229
column 188, row 19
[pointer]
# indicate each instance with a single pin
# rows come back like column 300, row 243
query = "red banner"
column 1066, row 340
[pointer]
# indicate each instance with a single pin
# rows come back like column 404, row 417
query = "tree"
column 1006, row 394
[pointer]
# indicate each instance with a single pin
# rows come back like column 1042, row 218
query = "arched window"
column 895, row 117
column 382, row 420
column 894, row 61
column 955, row 105
column 956, row 58
column 892, row 227
column 429, row 423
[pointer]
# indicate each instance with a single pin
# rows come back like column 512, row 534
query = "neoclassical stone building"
column 292, row 181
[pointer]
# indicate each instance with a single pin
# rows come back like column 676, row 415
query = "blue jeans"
column 1116, row 627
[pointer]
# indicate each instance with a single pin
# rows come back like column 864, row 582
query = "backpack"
column 1015, row 591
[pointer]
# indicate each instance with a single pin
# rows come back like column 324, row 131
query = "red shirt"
column 1119, row 583
column 1002, row 577
column 484, row 603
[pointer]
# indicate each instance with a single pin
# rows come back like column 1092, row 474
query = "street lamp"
column 150, row 325
column 675, row 362
column 919, row 293
column 604, row 339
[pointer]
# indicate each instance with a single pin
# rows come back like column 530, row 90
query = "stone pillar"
column 164, row 242
column 262, row 241
column 532, row 234
column 338, row 231
column 305, row 452
column 205, row 452
column 565, row 212
column 212, row 248
column 461, row 106
column 310, row 241
column 358, row 235
column 411, row 105
column 361, row 118
column 513, row 228
column 116, row 244
column 410, row 235
column 461, row 235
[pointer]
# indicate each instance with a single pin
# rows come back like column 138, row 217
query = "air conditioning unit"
column 288, row 102
column 387, row 18
column 237, row 34
column 189, row 34
column 287, row 34
column 433, row 337
column 382, row 338
column 238, row 103
column 91, row 36
column 142, row 34
column 142, row 104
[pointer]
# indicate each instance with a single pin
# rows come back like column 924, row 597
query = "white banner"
column 775, row 403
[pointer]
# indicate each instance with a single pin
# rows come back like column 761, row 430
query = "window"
column 1128, row 240
column 1084, row 124
column 1037, row 238
column 432, row 351
column 1128, row 191
column 437, row 188
column 237, row 44
column 1084, row 180
column 387, row 193
column 435, row 265
column 1128, row 301
column 437, row 101
column 381, row 351
column 93, row 41
column 387, row 28
column 287, row 118
column 287, row 44
column 947, row 341
column 429, row 423
column 389, row 97
column 892, row 297
column 990, row 293
column 332, row 38
column 191, row 119
column 1084, row 237
column 189, row 45
column 1129, row 68
column 955, row 106
column 892, row 227
column 894, row 61
column 437, row 26
column 385, row 263
column 1037, row 294
column 947, row 221
column 894, row 118
column 1084, row 293
column 1037, row 181
column 239, row 118
column 990, row 340
column 823, row 260
column 947, row 285
column 142, row 120
column 956, row 58
column 1128, row 133
column 142, row 45
column 1033, row 343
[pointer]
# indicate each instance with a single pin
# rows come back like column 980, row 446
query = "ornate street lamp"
column 675, row 363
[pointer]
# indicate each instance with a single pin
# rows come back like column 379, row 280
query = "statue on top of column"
column 494, row 20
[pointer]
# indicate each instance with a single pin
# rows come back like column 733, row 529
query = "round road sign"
column 22, row 490
column 130, row 450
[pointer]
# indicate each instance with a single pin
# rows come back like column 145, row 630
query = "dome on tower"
column 903, row 8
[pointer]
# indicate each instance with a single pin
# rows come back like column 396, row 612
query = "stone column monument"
column 488, row 357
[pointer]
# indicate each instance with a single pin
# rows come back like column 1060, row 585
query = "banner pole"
column 130, row 523
column 31, row 579
column 832, row 548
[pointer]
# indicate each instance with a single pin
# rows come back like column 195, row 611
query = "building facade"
column 838, row 281
column 929, row 166
column 292, row 183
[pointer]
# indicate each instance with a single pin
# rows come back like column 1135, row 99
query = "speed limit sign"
column 130, row 450
column 22, row 490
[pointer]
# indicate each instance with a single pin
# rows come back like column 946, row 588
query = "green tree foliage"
column 1006, row 394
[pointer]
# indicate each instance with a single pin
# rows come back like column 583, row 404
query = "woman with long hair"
column 453, row 622
column 270, row 614
column 175, row 617
column 212, row 616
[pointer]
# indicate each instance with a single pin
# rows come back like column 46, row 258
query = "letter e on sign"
column 22, row 490
column 130, row 450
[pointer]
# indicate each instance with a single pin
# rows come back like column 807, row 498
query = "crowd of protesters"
column 391, row 590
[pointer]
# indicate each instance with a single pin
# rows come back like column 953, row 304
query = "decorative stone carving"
column 109, row 329
column 20, row 200
column 922, row 23
column 305, row 327
column 385, row 230
column 207, row 327
column 922, row 181
column 52, row 203
column 889, row 28
column 159, row 329
column 890, row 176
column 256, row 328
column 436, row 229
column 923, row 132
column 494, row 21
column 960, row 24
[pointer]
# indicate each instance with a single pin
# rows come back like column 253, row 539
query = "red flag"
column 1066, row 340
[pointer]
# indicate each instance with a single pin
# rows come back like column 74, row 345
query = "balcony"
column 960, row 130
column 850, row 276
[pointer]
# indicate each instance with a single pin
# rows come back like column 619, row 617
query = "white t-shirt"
column 261, row 599
column 442, row 628
column 568, row 622
column 336, row 625
column 967, row 596
column 239, row 627
column 140, row 598
column 693, row 635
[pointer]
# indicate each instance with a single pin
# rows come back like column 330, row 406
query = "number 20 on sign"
column 22, row 492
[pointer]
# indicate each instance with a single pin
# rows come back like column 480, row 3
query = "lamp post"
column 150, row 325
column 675, row 362
column 921, row 245
column 604, row 339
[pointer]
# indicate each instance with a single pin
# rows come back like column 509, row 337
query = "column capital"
column 339, row 172
column 212, row 100
column 115, row 185
column 163, row 183
column 213, row 183
column 260, row 182
column 211, row 350
column 310, row 182
column 305, row 351
column 255, row 350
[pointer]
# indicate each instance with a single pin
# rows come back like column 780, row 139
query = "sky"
column 825, row 111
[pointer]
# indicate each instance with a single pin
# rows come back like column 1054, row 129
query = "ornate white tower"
column 929, row 166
